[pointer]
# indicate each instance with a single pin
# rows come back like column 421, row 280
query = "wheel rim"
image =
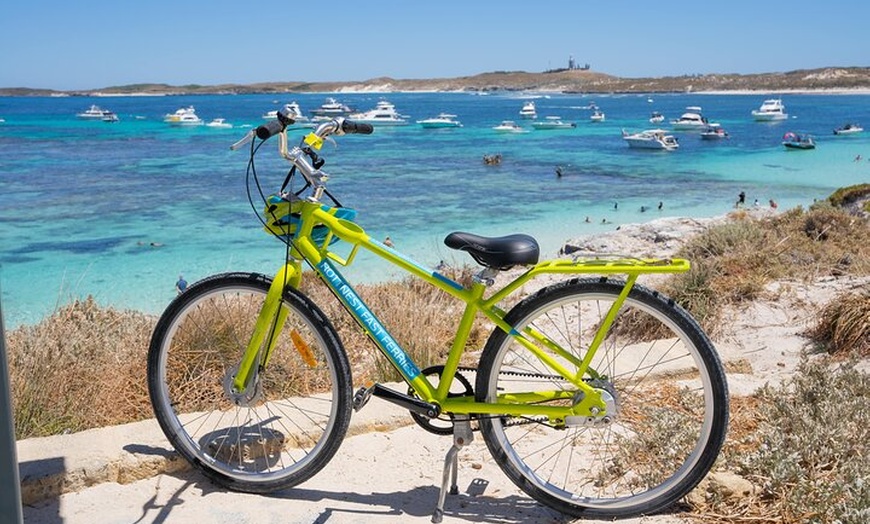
column 590, row 466
column 284, row 424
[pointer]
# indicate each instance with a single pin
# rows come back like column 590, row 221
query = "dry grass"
column 733, row 262
column 843, row 326
column 82, row 367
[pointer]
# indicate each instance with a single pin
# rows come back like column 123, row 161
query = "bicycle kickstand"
column 462, row 436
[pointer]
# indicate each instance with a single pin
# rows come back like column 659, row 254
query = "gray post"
column 10, row 499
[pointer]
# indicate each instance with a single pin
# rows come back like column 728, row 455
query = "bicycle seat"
column 496, row 252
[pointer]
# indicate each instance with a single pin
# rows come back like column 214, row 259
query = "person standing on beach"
column 741, row 199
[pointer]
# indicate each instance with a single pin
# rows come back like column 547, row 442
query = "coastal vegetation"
column 802, row 446
column 561, row 80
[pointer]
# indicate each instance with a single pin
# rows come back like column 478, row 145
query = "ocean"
column 120, row 210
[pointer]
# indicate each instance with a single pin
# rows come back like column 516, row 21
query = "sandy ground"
column 393, row 474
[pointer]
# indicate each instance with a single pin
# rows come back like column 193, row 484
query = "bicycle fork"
column 272, row 317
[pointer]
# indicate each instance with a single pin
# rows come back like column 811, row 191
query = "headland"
column 829, row 79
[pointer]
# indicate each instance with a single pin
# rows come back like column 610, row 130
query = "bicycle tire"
column 669, row 393
column 292, row 420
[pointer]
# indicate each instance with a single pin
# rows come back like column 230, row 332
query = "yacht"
column 186, row 116
column 95, row 113
column 508, row 126
column 553, row 122
column 441, row 121
column 848, row 129
column 656, row 118
column 528, row 110
column 292, row 106
column 597, row 116
column 770, row 110
column 220, row 123
column 384, row 114
column 651, row 139
column 332, row 107
column 691, row 119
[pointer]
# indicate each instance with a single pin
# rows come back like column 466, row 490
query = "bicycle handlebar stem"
column 299, row 158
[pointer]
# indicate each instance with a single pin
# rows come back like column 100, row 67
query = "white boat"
column 110, row 117
column 384, row 114
column 651, row 139
column 692, row 119
column 94, row 113
column 332, row 107
column 656, row 118
column 186, row 116
column 443, row 120
column 528, row 110
column 597, row 116
column 770, row 110
column 713, row 132
column 508, row 126
column 553, row 122
column 293, row 106
column 848, row 129
column 220, row 123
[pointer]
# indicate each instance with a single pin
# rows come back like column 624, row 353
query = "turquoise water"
column 119, row 210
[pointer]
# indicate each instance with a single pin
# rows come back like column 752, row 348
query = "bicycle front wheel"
column 287, row 425
column 665, row 390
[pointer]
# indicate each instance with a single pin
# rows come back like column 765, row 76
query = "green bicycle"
column 595, row 395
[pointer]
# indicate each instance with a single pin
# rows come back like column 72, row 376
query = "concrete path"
column 388, row 472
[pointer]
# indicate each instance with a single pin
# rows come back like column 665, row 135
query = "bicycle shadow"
column 471, row 504
column 419, row 502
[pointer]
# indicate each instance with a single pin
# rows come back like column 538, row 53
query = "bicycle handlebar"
column 305, row 159
column 336, row 126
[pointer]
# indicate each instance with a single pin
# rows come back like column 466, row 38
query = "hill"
column 568, row 81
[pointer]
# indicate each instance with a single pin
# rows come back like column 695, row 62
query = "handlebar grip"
column 360, row 128
column 267, row 131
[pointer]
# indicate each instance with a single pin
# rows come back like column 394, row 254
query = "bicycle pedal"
column 362, row 397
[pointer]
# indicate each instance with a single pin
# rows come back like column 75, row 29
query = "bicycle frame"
column 586, row 401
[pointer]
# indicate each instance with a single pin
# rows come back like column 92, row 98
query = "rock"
column 721, row 485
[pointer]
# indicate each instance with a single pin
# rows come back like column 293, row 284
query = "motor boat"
column 656, row 118
column 597, row 116
column 292, row 106
column 796, row 141
column 651, row 139
column 186, row 116
column 528, row 110
column 553, row 122
column 714, row 132
column 848, row 129
column 332, row 107
column 95, row 113
column 692, row 119
column 220, row 123
column 443, row 120
column 508, row 126
column 384, row 114
column 770, row 110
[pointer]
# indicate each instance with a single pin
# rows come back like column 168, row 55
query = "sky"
column 89, row 44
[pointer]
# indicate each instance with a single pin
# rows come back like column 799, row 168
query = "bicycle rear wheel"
column 287, row 425
column 667, row 407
